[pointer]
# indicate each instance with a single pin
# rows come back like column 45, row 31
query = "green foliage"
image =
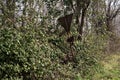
column 17, row 53
column 31, row 54
column 88, row 55
column 32, row 50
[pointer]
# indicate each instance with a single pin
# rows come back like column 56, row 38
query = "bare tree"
column 112, row 10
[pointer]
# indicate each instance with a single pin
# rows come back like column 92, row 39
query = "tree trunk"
column 10, row 18
column 81, row 7
column 24, row 13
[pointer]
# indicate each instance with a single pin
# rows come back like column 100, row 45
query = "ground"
column 111, row 68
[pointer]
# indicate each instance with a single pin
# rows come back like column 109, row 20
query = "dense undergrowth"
column 27, row 54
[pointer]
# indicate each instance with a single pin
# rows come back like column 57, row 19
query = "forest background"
column 59, row 39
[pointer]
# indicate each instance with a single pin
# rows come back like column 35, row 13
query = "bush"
column 17, row 54
column 29, row 55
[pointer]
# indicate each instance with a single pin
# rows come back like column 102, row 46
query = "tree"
column 112, row 10
column 8, row 11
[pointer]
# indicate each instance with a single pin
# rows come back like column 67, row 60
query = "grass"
column 111, row 68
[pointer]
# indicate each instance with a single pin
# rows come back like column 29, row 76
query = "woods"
column 59, row 39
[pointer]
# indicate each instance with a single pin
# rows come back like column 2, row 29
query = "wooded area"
column 59, row 39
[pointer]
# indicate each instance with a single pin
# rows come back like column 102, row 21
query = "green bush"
column 17, row 54
column 28, row 55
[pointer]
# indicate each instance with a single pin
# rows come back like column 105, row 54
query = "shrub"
column 28, row 55
column 17, row 54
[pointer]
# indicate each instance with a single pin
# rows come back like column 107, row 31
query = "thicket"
column 29, row 55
